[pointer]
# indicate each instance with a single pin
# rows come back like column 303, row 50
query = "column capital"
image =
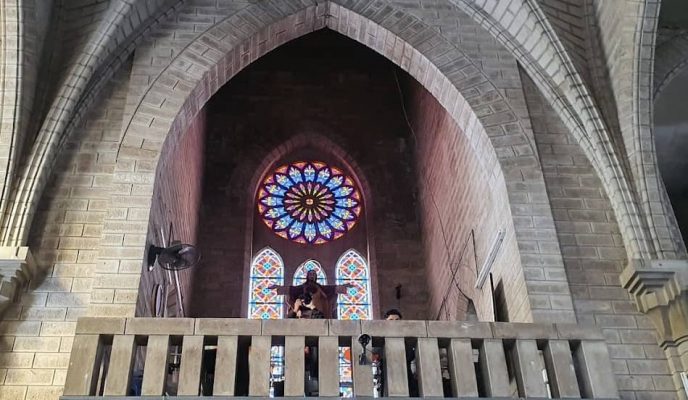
column 660, row 290
column 17, row 269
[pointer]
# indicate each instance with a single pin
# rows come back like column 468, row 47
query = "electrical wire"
column 437, row 211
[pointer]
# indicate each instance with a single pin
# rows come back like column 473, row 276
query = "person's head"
column 311, row 276
column 393, row 315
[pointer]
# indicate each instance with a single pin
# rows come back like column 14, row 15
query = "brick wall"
column 36, row 334
column 594, row 256
column 324, row 85
column 174, row 216
column 460, row 216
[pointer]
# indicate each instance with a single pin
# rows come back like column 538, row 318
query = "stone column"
column 660, row 290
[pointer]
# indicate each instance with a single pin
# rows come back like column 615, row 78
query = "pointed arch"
column 309, row 265
column 355, row 304
column 267, row 268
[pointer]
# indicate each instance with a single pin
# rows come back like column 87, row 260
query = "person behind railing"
column 323, row 297
column 378, row 361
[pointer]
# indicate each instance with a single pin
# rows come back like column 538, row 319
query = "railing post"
column 259, row 366
column 363, row 374
column 328, row 366
column 464, row 382
column 121, row 362
column 294, row 374
column 596, row 370
column 396, row 379
column 155, row 368
column 560, row 369
column 493, row 368
column 529, row 369
column 190, row 369
column 225, row 365
column 84, row 363
column 429, row 370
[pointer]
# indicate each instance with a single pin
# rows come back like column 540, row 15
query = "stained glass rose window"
column 309, row 202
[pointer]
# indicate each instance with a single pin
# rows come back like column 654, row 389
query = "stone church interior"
column 344, row 198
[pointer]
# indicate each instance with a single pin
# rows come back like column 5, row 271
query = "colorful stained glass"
column 345, row 373
column 310, row 265
column 309, row 202
column 267, row 269
column 355, row 303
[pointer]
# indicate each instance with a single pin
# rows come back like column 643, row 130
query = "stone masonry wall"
column 460, row 216
column 173, row 217
column 36, row 334
column 594, row 256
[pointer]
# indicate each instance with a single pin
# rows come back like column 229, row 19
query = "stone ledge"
column 460, row 329
column 100, row 325
column 395, row 328
column 295, row 327
column 160, row 326
column 511, row 330
column 227, row 327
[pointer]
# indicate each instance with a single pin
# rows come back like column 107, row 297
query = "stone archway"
column 168, row 106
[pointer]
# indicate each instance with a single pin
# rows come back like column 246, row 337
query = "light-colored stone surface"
column 396, row 380
column 464, row 382
column 259, row 366
column 529, row 369
column 190, row 369
column 121, row 362
column 155, row 371
column 363, row 385
column 295, row 327
column 227, row 326
column 560, row 369
column 428, row 367
column 225, row 365
column 160, row 326
column 328, row 366
column 82, row 365
column 493, row 368
column 294, row 375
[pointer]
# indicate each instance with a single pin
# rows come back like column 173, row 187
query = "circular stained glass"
column 309, row 202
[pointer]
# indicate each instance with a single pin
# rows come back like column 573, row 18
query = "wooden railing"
column 450, row 359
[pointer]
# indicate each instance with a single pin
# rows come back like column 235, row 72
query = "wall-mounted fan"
column 176, row 257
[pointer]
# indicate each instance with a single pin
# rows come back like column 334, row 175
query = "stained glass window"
column 267, row 269
column 309, row 202
column 310, row 265
column 355, row 304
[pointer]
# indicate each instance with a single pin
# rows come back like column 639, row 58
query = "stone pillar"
column 660, row 290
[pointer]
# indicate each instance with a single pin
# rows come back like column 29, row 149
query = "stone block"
column 344, row 328
column 37, row 344
column 51, row 360
column 504, row 330
column 459, row 329
column 160, row 326
column 16, row 360
column 573, row 331
column 395, row 328
column 43, row 393
column 155, row 371
column 225, row 366
column 100, row 325
column 29, row 377
column 295, row 327
column 227, row 326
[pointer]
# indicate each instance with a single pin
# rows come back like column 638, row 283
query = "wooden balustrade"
column 451, row 359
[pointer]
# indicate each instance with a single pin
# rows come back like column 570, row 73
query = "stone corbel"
column 660, row 290
column 17, row 270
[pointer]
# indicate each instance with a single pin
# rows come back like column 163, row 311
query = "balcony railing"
column 236, row 357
